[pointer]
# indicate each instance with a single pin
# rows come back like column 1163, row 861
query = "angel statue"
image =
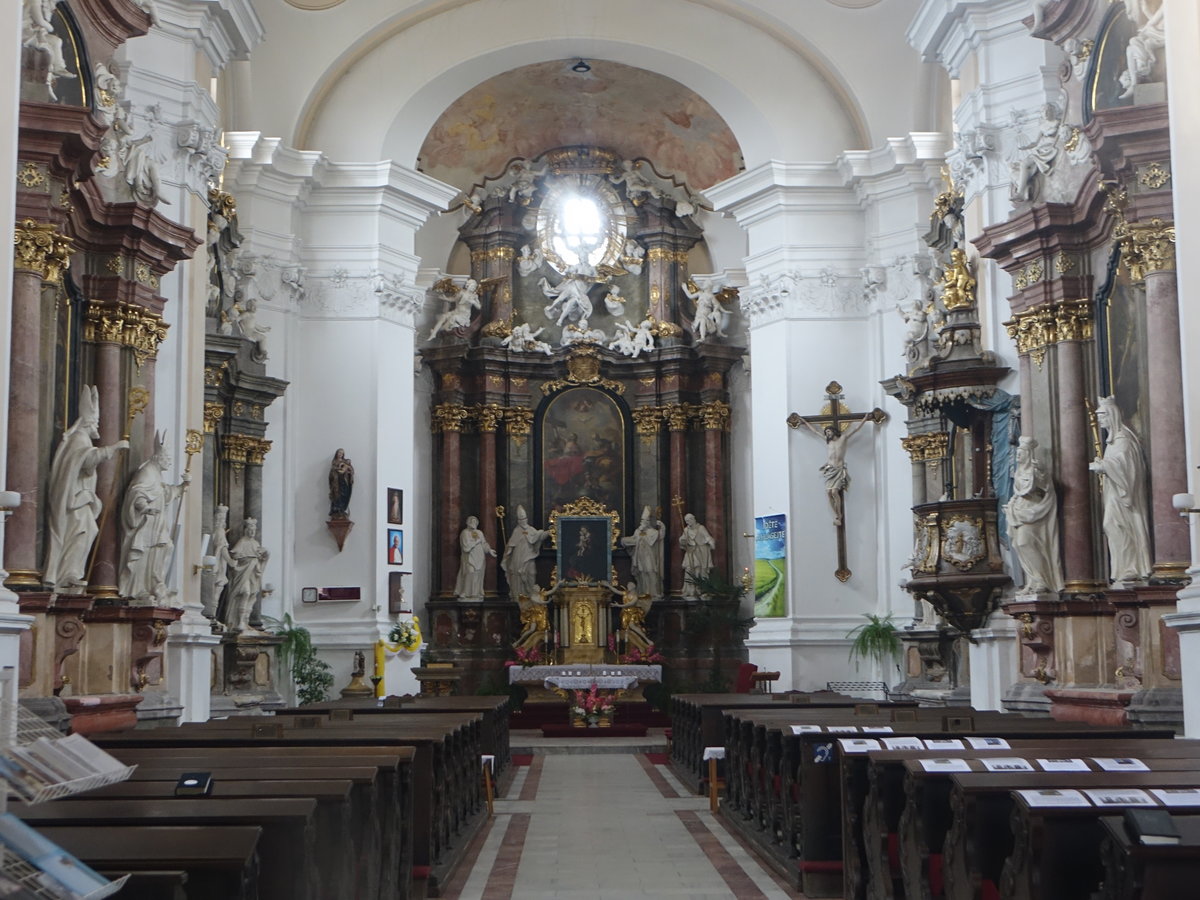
column 524, row 340
column 569, row 298
column 637, row 186
column 709, row 312
column 530, row 260
column 461, row 304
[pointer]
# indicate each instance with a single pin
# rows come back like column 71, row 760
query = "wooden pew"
column 287, row 849
column 389, row 769
column 447, row 796
column 1133, row 871
column 886, row 845
column 980, row 838
column 335, row 831
column 220, row 862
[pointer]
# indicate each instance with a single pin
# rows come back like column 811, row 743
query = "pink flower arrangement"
column 649, row 656
column 593, row 703
column 525, row 658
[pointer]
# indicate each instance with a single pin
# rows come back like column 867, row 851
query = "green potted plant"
column 717, row 622
column 298, row 660
column 876, row 640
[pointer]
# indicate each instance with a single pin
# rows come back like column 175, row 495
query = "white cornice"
column 946, row 31
column 223, row 30
column 775, row 186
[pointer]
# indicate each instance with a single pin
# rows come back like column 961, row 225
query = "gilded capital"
column 646, row 421
column 256, row 450
column 213, row 413
column 924, row 447
column 488, row 417
column 39, row 248
column 126, row 323
column 235, row 449
column 1148, row 247
column 449, row 417
column 1037, row 329
column 714, row 416
column 677, row 416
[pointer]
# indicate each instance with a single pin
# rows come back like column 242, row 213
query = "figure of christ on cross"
column 833, row 470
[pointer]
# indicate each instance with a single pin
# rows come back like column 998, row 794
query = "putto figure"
column 74, row 506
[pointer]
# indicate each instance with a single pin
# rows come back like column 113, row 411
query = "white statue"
column 218, row 549
column 710, row 314
column 645, row 549
column 473, row 545
column 614, row 302
column 74, row 506
column 916, row 327
column 524, row 182
column 573, row 334
column 147, row 543
column 248, row 561
column 1142, row 51
column 632, row 340
column 37, row 32
column 520, row 556
column 458, row 314
column 245, row 314
column 833, row 470
column 633, row 254
column 698, row 546
column 134, row 160
column 529, row 261
column 524, row 340
column 1033, row 522
column 637, row 186
column 569, row 298
column 1038, row 156
column 1124, row 496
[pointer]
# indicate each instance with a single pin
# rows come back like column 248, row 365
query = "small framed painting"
column 395, row 547
column 395, row 506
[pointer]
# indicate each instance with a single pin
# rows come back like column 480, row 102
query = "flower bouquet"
column 593, row 707
column 639, row 657
column 525, row 658
column 406, row 635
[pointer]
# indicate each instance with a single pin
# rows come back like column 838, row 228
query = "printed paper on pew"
column 1054, row 797
column 805, row 729
column 1120, row 764
column 1007, row 764
column 986, row 743
column 1177, row 796
column 945, row 765
column 904, row 743
column 878, row 729
column 858, row 745
column 842, row 729
column 1063, row 765
column 1120, row 797
column 943, row 744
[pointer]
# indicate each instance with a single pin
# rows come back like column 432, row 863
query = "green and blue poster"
column 770, row 566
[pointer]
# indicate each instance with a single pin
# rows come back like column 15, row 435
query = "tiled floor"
column 608, row 826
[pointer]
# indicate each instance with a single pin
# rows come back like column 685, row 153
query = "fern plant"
column 299, row 663
column 876, row 639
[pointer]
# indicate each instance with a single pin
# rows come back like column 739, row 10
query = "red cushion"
column 988, row 891
column 894, row 853
column 421, row 872
column 743, row 683
column 820, row 865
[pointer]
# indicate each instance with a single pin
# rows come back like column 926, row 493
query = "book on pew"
column 61, row 873
column 1151, row 826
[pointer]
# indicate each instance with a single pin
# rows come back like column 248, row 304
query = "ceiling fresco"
column 632, row 111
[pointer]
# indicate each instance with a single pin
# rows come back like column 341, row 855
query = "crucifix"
column 837, row 425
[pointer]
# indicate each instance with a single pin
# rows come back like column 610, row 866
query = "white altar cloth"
column 581, row 676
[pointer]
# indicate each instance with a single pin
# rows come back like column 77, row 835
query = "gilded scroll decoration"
column 449, row 417
column 38, row 247
column 926, row 447
column 714, row 416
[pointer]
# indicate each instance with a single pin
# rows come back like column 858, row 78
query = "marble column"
column 1075, row 450
column 448, row 419
column 488, row 418
column 102, row 578
column 41, row 255
column 715, row 419
column 1168, row 452
column 666, row 267
column 677, row 422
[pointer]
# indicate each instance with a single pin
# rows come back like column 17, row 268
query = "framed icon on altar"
column 584, row 548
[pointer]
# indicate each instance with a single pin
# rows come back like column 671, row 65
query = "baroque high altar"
column 580, row 368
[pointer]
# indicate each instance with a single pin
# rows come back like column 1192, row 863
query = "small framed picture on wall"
column 395, row 506
column 395, row 547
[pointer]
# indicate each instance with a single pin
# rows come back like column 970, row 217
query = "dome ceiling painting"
column 632, row 111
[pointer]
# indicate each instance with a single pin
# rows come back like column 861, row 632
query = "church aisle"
column 608, row 826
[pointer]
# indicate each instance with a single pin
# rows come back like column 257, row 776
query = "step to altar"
column 605, row 732
column 530, row 741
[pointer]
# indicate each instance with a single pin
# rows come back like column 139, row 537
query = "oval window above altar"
column 581, row 224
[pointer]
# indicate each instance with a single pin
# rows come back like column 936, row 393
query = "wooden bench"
column 1133, row 871
column 287, row 850
column 219, row 862
column 980, row 838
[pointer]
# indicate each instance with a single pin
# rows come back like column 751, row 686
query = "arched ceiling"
column 533, row 108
